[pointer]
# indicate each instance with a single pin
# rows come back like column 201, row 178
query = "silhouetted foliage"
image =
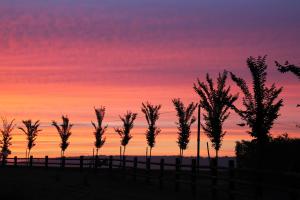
column 216, row 102
column 31, row 132
column 281, row 153
column 99, row 129
column 261, row 107
column 185, row 120
column 64, row 131
column 5, row 142
column 287, row 67
column 124, row 132
column 152, row 114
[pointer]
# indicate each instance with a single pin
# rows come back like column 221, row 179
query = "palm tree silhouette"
column 287, row 67
column 152, row 114
column 99, row 130
column 31, row 132
column 261, row 107
column 5, row 142
column 185, row 120
column 216, row 102
column 64, row 131
column 124, row 132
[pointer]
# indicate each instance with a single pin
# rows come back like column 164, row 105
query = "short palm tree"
column 99, row 129
column 5, row 142
column 31, row 131
column 152, row 114
column 64, row 131
column 185, row 121
column 216, row 101
column 124, row 132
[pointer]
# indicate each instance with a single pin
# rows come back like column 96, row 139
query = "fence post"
column 96, row 162
column 110, row 165
column 30, row 161
column 124, row 166
column 213, row 170
column 148, row 167
column 15, row 161
column 177, row 174
column 135, row 162
column 231, row 179
column 3, row 161
column 81, row 163
column 161, row 175
column 46, row 162
column 193, row 177
column 63, row 162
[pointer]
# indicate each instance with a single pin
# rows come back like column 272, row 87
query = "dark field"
column 70, row 183
column 24, row 183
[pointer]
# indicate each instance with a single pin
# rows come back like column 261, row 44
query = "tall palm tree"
column 124, row 132
column 31, row 132
column 287, row 67
column 152, row 115
column 261, row 107
column 99, row 129
column 64, row 131
column 216, row 102
column 185, row 121
column 5, row 142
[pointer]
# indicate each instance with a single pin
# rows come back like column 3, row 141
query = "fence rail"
column 235, row 183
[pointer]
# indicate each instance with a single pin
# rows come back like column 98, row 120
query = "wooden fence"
column 220, row 182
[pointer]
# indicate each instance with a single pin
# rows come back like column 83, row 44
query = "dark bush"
column 280, row 153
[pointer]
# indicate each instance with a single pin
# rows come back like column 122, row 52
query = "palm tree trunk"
column 97, row 149
column 150, row 152
column 124, row 148
column 217, row 157
column 28, row 153
column 179, row 152
column 26, row 157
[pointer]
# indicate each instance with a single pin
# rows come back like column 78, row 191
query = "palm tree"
column 64, row 131
column 261, row 110
column 185, row 120
column 31, row 132
column 99, row 130
column 124, row 132
column 216, row 102
column 5, row 142
column 152, row 114
column 287, row 67
column 261, row 107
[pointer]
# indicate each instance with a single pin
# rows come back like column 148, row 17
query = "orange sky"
column 61, row 58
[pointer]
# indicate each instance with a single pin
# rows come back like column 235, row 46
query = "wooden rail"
column 233, row 182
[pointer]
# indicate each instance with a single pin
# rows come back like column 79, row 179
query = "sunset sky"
column 67, row 56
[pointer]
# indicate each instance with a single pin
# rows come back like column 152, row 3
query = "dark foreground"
column 69, row 183
column 25, row 183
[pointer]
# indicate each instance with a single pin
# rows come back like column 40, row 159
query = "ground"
column 24, row 183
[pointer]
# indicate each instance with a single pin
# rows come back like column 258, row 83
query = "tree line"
column 260, row 108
